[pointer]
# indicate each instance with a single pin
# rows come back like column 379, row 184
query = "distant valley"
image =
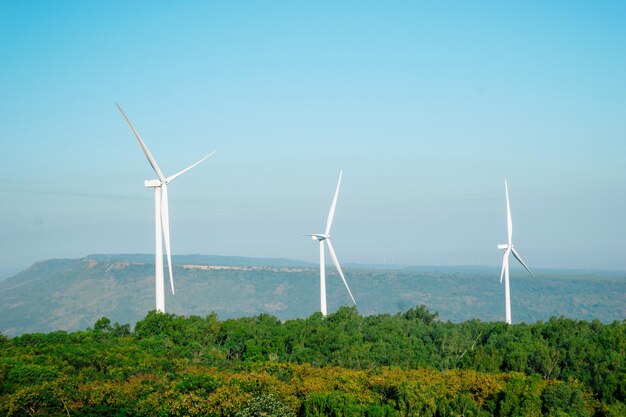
column 71, row 294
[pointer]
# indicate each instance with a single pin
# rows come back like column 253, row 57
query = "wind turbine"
column 161, row 216
column 325, row 237
column 508, row 249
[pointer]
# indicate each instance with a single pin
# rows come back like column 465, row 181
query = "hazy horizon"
column 518, row 269
column 427, row 108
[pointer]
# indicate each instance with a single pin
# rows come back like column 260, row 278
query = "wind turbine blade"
column 331, row 213
column 165, row 223
column 519, row 258
column 145, row 149
column 505, row 263
column 509, row 222
column 336, row 262
column 173, row 177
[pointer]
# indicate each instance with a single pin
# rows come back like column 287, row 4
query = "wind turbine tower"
column 325, row 238
column 508, row 249
column 161, row 217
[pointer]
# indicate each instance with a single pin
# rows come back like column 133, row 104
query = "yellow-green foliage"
column 343, row 365
column 303, row 389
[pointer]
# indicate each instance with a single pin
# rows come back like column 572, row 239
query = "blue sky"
column 426, row 106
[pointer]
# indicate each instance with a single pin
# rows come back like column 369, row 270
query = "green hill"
column 71, row 294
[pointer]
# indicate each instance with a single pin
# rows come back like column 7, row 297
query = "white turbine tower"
column 325, row 237
column 508, row 249
column 161, row 217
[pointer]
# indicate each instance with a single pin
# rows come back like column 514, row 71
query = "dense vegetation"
column 407, row 364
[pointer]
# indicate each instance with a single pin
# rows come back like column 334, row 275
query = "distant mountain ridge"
column 8, row 272
column 204, row 259
column 71, row 294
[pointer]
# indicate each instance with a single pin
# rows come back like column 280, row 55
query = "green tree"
column 265, row 405
column 421, row 313
column 103, row 325
column 561, row 398
column 334, row 404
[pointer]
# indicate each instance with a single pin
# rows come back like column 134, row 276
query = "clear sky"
column 427, row 107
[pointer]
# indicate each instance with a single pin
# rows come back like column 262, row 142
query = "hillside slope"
column 71, row 294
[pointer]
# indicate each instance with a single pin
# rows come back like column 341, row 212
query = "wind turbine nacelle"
column 503, row 246
column 152, row 183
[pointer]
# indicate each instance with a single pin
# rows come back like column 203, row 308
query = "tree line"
column 345, row 364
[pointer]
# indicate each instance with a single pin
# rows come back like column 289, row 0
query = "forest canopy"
column 345, row 364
